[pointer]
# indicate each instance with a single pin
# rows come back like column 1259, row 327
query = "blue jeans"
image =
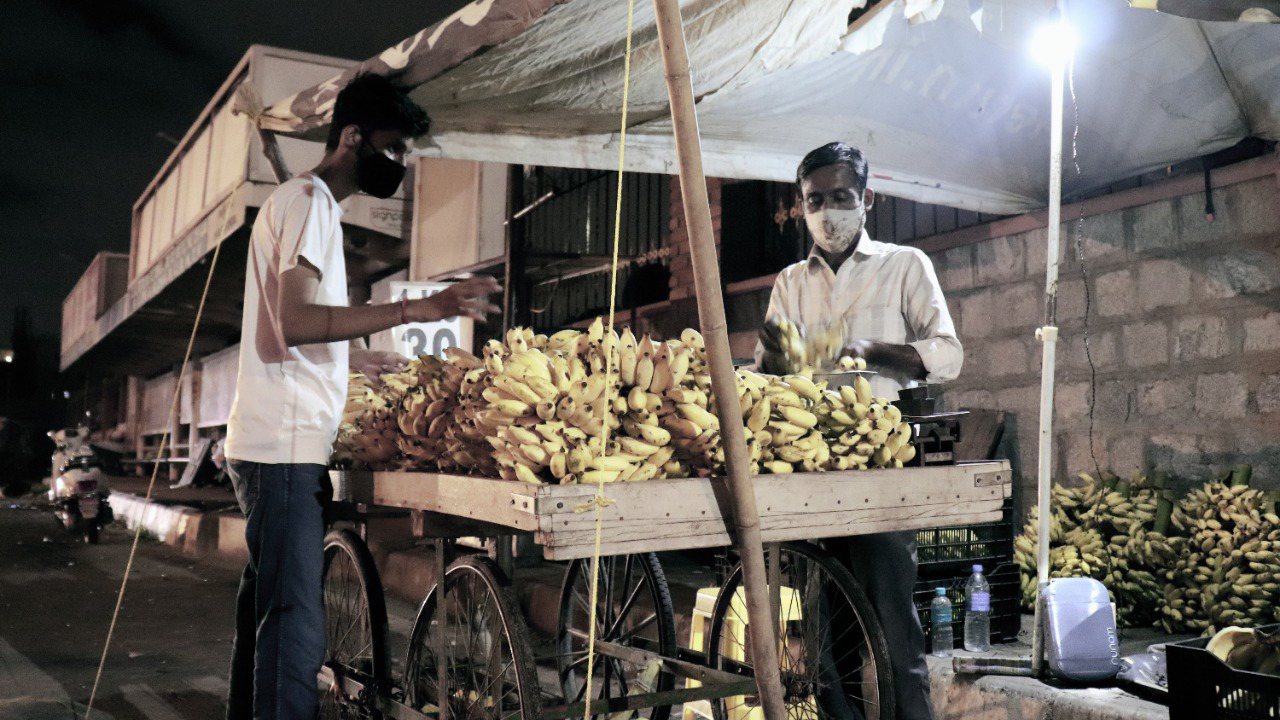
column 280, row 630
column 885, row 565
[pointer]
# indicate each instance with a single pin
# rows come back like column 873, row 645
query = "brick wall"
column 1183, row 326
column 681, row 262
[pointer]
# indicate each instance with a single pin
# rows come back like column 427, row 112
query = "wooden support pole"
column 706, row 276
column 271, row 149
column 196, row 374
column 175, row 423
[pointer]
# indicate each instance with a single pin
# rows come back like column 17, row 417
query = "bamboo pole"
column 706, row 275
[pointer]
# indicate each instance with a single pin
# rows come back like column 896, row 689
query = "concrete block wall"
column 1183, row 329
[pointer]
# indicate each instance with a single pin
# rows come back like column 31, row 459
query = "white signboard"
column 431, row 338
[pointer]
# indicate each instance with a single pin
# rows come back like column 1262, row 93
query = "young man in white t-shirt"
column 292, row 386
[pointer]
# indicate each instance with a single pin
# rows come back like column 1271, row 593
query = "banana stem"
column 1164, row 505
column 1241, row 474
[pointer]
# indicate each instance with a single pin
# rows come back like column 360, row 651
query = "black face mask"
column 377, row 174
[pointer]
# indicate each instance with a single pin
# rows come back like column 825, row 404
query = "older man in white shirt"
column 887, row 299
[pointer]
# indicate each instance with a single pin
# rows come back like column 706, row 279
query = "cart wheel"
column 490, row 664
column 355, row 620
column 834, row 657
column 633, row 607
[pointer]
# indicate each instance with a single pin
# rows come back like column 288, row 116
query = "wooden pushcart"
column 832, row 653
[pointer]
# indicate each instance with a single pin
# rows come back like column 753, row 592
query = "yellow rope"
column 600, row 501
column 164, row 441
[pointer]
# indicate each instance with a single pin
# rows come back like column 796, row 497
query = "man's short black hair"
column 835, row 153
column 372, row 103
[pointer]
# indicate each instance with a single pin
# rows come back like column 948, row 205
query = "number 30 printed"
column 417, row 340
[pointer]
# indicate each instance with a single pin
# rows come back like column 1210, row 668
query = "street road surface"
column 172, row 647
column 170, row 653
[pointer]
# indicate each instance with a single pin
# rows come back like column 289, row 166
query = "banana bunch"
column 1247, row 649
column 1227, row 570
column 805, row 350
column 368, row 434
column 1081, row 554
column 1126, row 516
column 863, row 430
column 599, row 406
column 426, row 410
column 1100, row 529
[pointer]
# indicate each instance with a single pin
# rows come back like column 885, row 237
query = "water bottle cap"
column 940, row 592
column 977, row 568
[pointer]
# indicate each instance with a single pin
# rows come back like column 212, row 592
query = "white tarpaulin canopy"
column 948, row 103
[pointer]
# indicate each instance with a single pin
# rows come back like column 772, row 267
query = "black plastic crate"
column 959, row 547
column 1006, row 611
column 1202, row 687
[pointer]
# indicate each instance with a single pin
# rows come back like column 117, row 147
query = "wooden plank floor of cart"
column 688, row 513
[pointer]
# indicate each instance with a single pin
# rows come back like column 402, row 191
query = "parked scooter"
column 79, row 488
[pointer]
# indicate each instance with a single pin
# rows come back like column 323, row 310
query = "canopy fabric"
column 948, row 104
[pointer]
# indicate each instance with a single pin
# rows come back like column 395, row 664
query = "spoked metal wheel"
column 487, row 657
column 633, row 608
column 833, row 655
column 355, row 623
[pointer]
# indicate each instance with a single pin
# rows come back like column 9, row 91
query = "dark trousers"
column 280, row 631
column 885, row 566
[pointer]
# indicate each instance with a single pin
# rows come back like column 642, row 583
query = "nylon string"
column 600, row 500
column 164, row 442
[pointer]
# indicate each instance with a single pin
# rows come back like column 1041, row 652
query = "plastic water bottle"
column 977, row 612
column 940, row 624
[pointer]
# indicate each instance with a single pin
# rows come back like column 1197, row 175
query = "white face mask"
column 835, row 230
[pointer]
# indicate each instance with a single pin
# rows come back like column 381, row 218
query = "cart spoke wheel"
column 487, row 656
column 355, row 621
column 633, row 608
column 833, row 657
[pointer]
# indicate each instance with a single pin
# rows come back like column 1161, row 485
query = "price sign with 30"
column 414, row 339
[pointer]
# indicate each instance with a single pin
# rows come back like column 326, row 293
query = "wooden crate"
column 102, row 283
column 690, row 513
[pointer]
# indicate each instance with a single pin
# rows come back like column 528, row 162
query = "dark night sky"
column 90, row 89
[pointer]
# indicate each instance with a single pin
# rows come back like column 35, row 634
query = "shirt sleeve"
column 926, row 313
column 305, row 231
column 777, row 308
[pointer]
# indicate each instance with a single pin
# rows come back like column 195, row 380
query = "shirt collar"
column 322, row 185
column 866, row 247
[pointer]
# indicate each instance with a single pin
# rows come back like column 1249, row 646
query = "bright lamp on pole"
column 1054, row 42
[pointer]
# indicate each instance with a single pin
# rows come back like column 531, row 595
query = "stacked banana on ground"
column 596, row 406
column 1101, row 529
column 1227, row 567
column 1215, row 563
column 1247, row 649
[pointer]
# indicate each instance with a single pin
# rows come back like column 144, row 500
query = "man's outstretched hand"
column 468, row 298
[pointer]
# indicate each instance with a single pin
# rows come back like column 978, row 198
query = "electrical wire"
column 1084, row 268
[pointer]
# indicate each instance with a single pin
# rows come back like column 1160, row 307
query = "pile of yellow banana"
column 1218, row 563
column 1247, row 649
column 597, row 406
column 1227, row 562
column 368, row 433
